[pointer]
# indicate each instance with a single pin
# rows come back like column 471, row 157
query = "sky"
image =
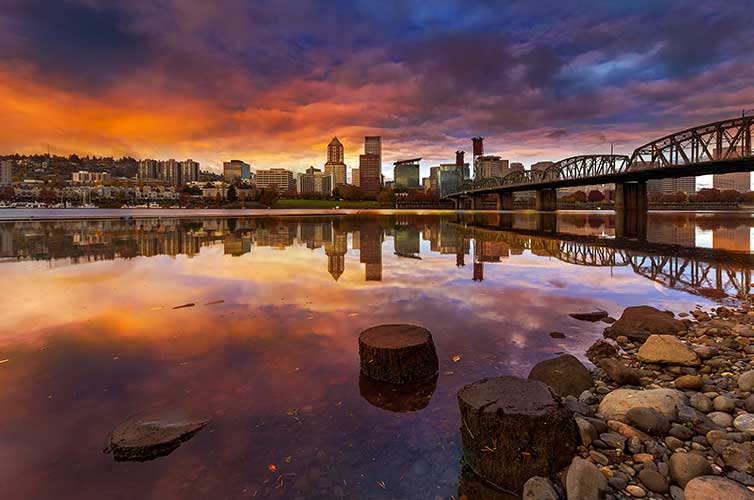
column 271, row 82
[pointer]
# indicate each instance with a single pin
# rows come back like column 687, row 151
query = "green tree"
column 268, row 197
column 386, row 197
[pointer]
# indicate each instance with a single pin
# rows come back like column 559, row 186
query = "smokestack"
column 478, row 147
column 459, row 158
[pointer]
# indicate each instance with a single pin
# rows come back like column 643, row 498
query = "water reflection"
column 269, row 353
column 398, row 398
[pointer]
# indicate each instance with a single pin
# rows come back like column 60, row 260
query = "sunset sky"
column 271, row 82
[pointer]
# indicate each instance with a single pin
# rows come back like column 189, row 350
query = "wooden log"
column 398, row 398
column 398, row 354
column 513, row 429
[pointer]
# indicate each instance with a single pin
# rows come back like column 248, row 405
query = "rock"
column 653, row 480
column 613, row 440
column 739, row 456
column 689, row 382
column 584, row 481
column 744, row 423
column 673, row 442
column 681, row 432
column 539, row 488
column 629, row 432
column 637, row 323
column 620, row 373
column 617, row 483
column 724, row 403
column 686, row 466
column 587, row 431
column 668, row 350
column 592, row 316
column 676, row 492
column 565, row 374
column 600, row 350
column 398, row 354
column 746, row 381
column 648, row 420
column 721, row 419
column 701, row 402
column 141, row 439
column 557, row 335
column 635, row 491
column 716, row 488
column 704, row 351
column 615, row 405
column 524, row 421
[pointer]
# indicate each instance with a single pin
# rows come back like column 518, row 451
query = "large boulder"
column 565, row 374
column 584, row 481
column 513, row 429
column 639, row 322
column 666, row 401
column 716, row 488
column 667, row 350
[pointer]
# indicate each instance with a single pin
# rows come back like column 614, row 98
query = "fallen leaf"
column 4, row 361
column 381, row 484
column 272, row 468
column 456, row 358
column 287, row 460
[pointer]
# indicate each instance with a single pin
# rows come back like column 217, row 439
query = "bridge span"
column 715, row 148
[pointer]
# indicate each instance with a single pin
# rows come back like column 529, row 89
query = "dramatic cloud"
column 272, row 81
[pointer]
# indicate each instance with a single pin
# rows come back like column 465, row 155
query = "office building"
column 490, row 166
column 336, row 253
column 370, row 250
column 235, row 170
column 373, row 146
column 314, row 181
column 370, row 178
column 670, row 186
column 355, row 177
column 516, row 167
column 447, row 177
column 740, row 181
column 86, row 177
column 335, row 161
column 542, row 165
column 406, row 173
column 279, row 179
column 6, row 172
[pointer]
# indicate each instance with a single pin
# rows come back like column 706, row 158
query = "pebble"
column 653, row 480
column 635, row 491
column 724, row 403
column 744, row 422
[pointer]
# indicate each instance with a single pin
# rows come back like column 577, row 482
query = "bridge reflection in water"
column 700, row 253
column 662, row 249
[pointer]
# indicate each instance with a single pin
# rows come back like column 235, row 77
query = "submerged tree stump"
column 398, row 354
column 513, row 429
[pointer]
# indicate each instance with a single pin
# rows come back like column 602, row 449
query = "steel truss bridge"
column 715, row 148
column 704, row 272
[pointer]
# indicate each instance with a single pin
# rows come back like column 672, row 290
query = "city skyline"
column 165, row 83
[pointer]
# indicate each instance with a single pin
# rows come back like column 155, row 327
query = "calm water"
column 90, row 336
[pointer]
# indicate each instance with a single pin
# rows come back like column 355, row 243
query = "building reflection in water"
column 703, row 254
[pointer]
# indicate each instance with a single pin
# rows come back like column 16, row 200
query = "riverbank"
column 318, row 204
column 670, row 410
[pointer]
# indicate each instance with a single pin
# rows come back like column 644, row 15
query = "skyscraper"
column 336, row 253
column 355, row 177
column 335, row 161
column 369, row 174
column 406, row 173
column 373, row 146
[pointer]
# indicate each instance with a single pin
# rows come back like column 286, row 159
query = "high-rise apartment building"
column 373, row 146
column 355, row 177
column 6, row 172
column 169, row 171
column 740, row 181
column 370, row 177
column 236, row 170
column 314, row 181
column 406, row 173
column 278, row 178
column 336, row 161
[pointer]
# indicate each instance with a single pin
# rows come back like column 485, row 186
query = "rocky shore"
column 668, row 412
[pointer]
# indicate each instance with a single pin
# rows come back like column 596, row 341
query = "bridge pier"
column 478, row 202
column 547, row 223
column 631, row 196
column 547, row 200
column 631, row 225
column 504, row 201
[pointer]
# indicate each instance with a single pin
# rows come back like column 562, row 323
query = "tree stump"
column 513, row 429
column 398, row 354
column 398, row 398
column 142, row 439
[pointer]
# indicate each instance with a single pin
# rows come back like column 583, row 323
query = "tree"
column 268, row 196
column 232, row 193
column 595, row 196
column 386, row 197
column 579, row 196
column 7, row 194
